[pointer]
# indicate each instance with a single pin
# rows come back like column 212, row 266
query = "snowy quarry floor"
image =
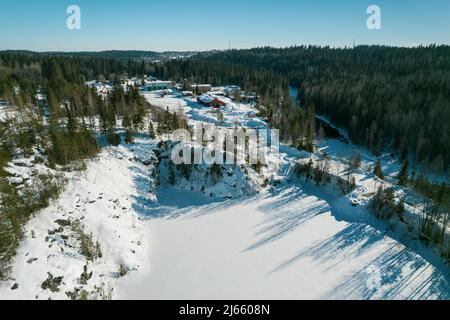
column 287, row 245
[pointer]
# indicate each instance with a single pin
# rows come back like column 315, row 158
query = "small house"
column 187, row 93
column 230, row 91
column 156, row 85
column 217, row 103
column 205, row 100
column 210, row 101
column 201, row 88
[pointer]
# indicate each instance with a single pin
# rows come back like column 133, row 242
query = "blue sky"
column 202, row 25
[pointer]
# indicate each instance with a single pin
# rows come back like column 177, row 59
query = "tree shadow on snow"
column 397, row 272
column 173, row 203
column 284, row 216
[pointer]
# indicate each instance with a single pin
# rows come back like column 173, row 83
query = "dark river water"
column 330, row 132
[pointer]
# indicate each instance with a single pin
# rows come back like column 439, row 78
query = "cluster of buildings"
column 153, row 84
column 205, row 93
column 210, row 98
column 102, row 88
column 192, row 89
column 146, row 84
column 133, row 82
column 236, row 93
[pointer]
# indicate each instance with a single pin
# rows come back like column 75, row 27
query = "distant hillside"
column 115, row 54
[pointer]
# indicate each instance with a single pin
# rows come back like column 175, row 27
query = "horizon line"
column 413, row 46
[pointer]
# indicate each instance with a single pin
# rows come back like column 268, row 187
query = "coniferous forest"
column 58, row 134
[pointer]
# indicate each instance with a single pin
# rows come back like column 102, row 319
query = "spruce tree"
column 400, row 209
column 402, row 177
column 379, row 170
column 356, row 164
column 151, row 130
column 171, row 174
column 129, row 136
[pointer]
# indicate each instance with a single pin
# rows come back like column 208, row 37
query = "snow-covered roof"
column 99, row 86
column 40, row 96
column 232, row 88
column 147, row 82
column 205, row 98
column 204, row 85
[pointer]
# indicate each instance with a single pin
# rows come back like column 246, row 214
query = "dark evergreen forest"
column 387, row 98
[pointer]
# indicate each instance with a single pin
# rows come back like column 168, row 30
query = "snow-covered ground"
column 102, row 202
column 234, row 114
column 6, row 112
column 297, row 243
column 292, row 241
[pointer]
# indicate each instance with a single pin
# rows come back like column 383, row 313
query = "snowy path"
column 291, row 245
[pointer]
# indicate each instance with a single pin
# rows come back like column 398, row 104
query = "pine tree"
column 356, row 164
column 400, row 209
column 129, row 136
column 309, row 169
column 353, row 183
column 383, row 203
column 171, row 174
column 219, row 116
column 151, row 130
column 379, row 170
column 126, row 121
column 216, row 171
column 321, row 134
column 402, row 177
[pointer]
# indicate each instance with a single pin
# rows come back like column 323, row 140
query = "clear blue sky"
column 202, row 24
